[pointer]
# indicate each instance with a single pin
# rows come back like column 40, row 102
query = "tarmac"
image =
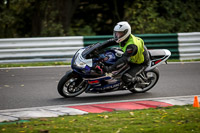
column 82, row 109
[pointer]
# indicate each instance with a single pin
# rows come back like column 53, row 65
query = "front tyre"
column 152, row 79
column 71, row 85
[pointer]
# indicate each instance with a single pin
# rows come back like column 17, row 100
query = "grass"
column 34, row 64
column 62, row 63
column 177, row 60
column 180, row 119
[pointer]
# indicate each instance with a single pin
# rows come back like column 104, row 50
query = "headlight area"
column 76, row 61
column 81, row 64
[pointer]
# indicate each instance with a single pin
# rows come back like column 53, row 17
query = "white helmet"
column 121, row 31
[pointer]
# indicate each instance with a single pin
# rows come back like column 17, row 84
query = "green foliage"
column 167, row 16
column 82, row 31
column 34, row 64
column 7, row 21
column 52, row 29
column 49, row 25
column 15, row 18
column 98, row 15
column 34, row 18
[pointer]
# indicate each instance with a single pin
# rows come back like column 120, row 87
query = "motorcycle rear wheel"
column 153, row 76
column 71, row 85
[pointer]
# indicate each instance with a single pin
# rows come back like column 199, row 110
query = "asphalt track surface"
column 37, row 87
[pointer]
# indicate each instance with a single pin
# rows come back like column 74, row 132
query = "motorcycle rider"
column 135, row 52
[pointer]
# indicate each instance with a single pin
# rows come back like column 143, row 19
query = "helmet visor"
column 118, row 34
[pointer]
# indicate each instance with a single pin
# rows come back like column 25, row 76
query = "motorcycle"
column 87, row 76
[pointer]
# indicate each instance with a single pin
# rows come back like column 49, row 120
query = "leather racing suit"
column 135, row 53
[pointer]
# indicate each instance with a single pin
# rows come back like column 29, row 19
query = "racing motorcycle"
column 87, row 75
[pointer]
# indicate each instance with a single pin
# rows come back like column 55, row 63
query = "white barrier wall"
column 39, row 49
column 189, row 45
column 63, row 48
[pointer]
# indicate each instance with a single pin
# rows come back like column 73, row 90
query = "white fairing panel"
column 160, row 57
column 81, row 62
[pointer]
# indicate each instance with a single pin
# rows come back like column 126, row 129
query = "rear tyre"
column 152, row 79
column 71, row 85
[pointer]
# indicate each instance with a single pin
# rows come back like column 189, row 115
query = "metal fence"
column 162, row 41
column 39, row 49
column 189, row 45
column 152, row 41
column 182, row 46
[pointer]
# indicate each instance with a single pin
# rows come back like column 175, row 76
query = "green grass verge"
column 179, row 119
column 34, row 64
column 177, row 60
column 64, row 63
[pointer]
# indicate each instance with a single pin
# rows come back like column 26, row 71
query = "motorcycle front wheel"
column 71, row 85
column 152, row 76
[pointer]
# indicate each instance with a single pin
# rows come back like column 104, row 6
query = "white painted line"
column 145, row 99
column 59, row 110
column 7, row 118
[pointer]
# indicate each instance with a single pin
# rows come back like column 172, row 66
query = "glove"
column 99, row 68
column 102, row 68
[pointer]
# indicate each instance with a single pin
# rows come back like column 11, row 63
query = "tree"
column 32, row 18
column 97, row 16
column 56, row 17
column 6, row 18
column 35, row 18
column 167, row 16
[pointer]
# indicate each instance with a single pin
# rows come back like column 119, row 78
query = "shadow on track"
column 103, row 97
